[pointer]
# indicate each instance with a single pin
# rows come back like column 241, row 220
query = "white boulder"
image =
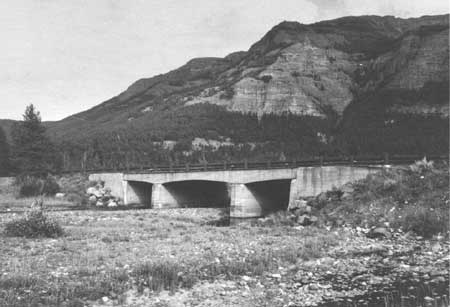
column 112, row 204
column 91, row 190
column 60, row 195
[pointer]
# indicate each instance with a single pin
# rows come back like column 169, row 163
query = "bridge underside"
column 244, row 200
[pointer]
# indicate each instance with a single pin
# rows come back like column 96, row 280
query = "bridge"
column 249, row 189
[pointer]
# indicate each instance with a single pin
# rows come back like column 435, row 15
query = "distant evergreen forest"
column 268, row 138
column 364, row 130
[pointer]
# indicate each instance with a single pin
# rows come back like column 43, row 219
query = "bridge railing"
column 318, row 161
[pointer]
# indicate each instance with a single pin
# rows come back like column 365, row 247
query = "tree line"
column 243, row 136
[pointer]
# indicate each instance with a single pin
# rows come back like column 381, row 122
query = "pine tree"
column 32, row 149
column 4, row 154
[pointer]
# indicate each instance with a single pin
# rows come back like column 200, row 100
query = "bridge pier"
column 162, row 198
column 243, row 202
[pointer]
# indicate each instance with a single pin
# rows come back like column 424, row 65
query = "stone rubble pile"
column 100, row 196
column 302, row 212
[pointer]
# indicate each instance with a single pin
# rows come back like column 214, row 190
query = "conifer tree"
column 32, row 149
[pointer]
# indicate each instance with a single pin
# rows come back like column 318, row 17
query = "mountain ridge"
column 321, row 84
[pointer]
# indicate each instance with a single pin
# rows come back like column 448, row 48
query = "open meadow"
column 189, row 257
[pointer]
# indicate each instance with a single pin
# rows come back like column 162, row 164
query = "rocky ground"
column 175, row 258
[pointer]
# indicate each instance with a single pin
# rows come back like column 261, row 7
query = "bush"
column 35, row 185
column 162, row 276
column 35, row 223
column 414, row 199
column 425, row 222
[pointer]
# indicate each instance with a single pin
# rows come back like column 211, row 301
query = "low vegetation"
column 36, row 185
column 35, row 223
column 160, row 251
column 414, row 198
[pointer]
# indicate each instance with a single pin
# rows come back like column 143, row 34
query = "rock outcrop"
column 318, row 70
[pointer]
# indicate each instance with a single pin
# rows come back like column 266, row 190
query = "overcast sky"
column 66, row 56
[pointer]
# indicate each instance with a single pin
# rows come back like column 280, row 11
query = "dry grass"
column 9, row 201
column 106, row 253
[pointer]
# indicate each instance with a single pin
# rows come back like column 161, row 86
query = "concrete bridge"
column 248, row 192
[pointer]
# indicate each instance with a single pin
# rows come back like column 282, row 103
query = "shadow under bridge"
column 179, row 194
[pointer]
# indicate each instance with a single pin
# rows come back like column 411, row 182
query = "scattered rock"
column 60, row 195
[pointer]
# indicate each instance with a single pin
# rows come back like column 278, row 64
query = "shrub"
column 162, row 276
column 425, row 222
column 35, row 223
column 35, row 185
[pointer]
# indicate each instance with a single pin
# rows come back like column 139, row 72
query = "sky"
column 66, row 56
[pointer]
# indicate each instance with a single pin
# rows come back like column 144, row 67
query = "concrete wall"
column 312, row 181
column 6, row 181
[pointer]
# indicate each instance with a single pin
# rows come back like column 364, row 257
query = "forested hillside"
column 351, row 86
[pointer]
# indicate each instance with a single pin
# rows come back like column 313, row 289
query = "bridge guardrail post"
column 352, row 160
column 187, row 167
column 205, row 166
column 171, row 167
column 245, row 164
column 224, row 165
column 321, row 160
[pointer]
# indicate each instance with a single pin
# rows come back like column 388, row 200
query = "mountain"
column 303, row 69
column 352, row 84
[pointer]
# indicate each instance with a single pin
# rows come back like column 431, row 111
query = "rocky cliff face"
column 318, row 70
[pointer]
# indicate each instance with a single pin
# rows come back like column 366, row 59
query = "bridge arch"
column 259, row 198
column 191, row 193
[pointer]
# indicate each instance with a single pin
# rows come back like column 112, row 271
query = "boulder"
column 91, row 190
column 99, row 204
column 303, row 220
column 379, row 232
column 92, row 200
column 347, row 191
column 306, row 219
column 313, row 219
column 112, row 204
column 60, row 195
column 297, row 204
column 98, row 193
column 302, row 211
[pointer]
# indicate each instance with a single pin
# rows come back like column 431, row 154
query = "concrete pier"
column 243, row 202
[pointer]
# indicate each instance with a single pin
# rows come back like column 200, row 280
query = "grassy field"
column 176, row 257
column 106, row 254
